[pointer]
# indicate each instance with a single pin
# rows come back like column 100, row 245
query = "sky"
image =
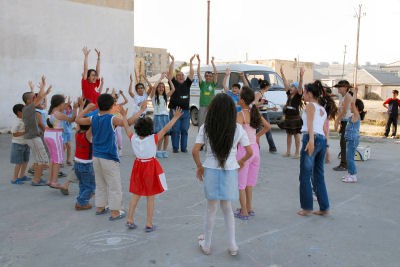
column 313, row 30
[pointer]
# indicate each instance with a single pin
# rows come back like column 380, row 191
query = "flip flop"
column 25, row 178
column 242, row 217
column 104, row 211
column 54, row 186
column 40, row 183
column 17, row 181
column 131, row 226
column 121, row 215
column 149, row 229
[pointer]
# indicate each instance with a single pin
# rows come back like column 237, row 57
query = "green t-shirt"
column 207, row 92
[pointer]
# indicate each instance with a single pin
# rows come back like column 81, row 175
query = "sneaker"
column 273, row 150
column 354, row 178
column 350, row 179
column 345, row 176
column 340, row 168
column 175, row 151
column 159, row 154
column 184, row 150
column 165, row 154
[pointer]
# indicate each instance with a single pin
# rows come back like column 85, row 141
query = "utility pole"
column 208, row 31
column 358, row 16
column 344, row 60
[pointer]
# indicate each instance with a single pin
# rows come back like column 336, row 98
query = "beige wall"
column 120, row 4
column 151, row 60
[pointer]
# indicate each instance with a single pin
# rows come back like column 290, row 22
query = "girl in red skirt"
column 147, row 178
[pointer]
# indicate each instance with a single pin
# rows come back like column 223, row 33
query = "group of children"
column 231, row 132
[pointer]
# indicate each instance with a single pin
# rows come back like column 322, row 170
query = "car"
column 276, row 95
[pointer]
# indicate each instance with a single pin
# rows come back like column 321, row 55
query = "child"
column 83, row 165
column 393, row 111
column 67, row 134
column 32, row 134
column 161, row 117
column 221, row 134
column 116, row 110
column 19, row 149
column 140, row 95
column 313, row 152
column 293, row 122
column 235, row 91
column 352, row 136
column 251, row 120
column 331, row 111
column 105, row 157
column 53, row 135
column 90, row 78
column 147, row 178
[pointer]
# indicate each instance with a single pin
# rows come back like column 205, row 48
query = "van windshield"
column 275, row 80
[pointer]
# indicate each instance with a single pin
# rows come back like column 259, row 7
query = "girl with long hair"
column 160, row 97
column 251, row 120
column 53, row 135
column 221, row 134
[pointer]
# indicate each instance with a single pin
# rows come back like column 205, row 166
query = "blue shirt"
column 235, row 99
column 68, row 125
column 352, row 129
column 104, row 138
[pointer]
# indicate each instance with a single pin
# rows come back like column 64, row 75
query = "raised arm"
column 163, row 131
column 227, row 73
column 149, row 85
column 136, row 116
column 42, row 93
column 300, row 89
column 80, row 119
column 86, row 52
column 64, row 117
column 154, row 88
column 124, row 113
column 31, row 86
column 171, row 67
column 215, row 71
column 191, row 71
column 98, row 62
column 171, row 88
column 121, row 93
column 130, row 91
column 244, row 80
column 285, row 82
column 100, row 90
column 198, row 69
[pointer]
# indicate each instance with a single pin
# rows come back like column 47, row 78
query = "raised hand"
column 121, row 92
column 81, row 103
column 76, row 104
column 302, row 72
column 281, row 70
column 198, row 57
column 98, row 52
column 227, row 71
column 69, row 101
column 212, row 60
column 43, row 82
column 31, row 85
column 131, row 78
column 171, row 57
column 102, row 80
column 49, row 89
column 124, row 112
column 191, row 59
column 177, row 113
column 85, row 51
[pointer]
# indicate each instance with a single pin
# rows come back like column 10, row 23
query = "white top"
column 231, row 163
column 145, row 148
column 138, row 100
column 160, row 109
column 318, row 122
column 18, row 126
column 348, row 111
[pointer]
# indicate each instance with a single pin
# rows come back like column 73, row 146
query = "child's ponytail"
column 56, row 100
column 255, row 117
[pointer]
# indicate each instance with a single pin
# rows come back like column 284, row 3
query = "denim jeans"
column 351, row 147
column 85, row 174
column 391, row 120
column 269, row 134
column 313, row 166
column 180, row 130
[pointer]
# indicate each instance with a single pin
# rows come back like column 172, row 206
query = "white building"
column 46, row 37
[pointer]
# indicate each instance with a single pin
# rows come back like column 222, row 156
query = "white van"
column 276, row 95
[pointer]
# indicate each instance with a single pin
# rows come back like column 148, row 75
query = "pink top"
column 251, row 132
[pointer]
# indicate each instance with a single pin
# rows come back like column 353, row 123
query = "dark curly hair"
column 105, row 102
column 248, row 96
column 220, row 127
column 144, row 126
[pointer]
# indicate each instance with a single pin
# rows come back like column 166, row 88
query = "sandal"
column 149, row 229
column 131, row 226
column 40, row 183
column 200, row 239
column 321, row 212
column 54, row 185
column 121, row 215
column 17, row 181
column 304, row 212
column 252, row 213
column 103, row 211
column 242, row 217
column 25, row 178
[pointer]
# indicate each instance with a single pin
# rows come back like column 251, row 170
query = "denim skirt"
column 159, row 122
column 221, row 184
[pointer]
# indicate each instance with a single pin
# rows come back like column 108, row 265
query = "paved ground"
column 39, row 226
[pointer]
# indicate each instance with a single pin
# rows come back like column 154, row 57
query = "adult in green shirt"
column 207, row 89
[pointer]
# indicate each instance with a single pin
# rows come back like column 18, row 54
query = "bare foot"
column 304, row 212
column 321, row 212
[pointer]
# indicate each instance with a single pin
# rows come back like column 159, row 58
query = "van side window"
column 234, row 78
column 220, row 80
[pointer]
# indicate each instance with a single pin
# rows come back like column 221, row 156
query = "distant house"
column 375, row 81
column 392, row 67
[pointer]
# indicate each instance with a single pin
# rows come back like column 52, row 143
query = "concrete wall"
column 46, row 37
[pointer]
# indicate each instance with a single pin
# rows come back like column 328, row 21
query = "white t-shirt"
column 341, row 106
column 138, row 100
column 318, row 122
column 18, row 126
column 144, row 148
column 160, row 109
column 231, row 163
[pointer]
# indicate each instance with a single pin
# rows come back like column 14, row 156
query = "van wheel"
column 194, row 116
